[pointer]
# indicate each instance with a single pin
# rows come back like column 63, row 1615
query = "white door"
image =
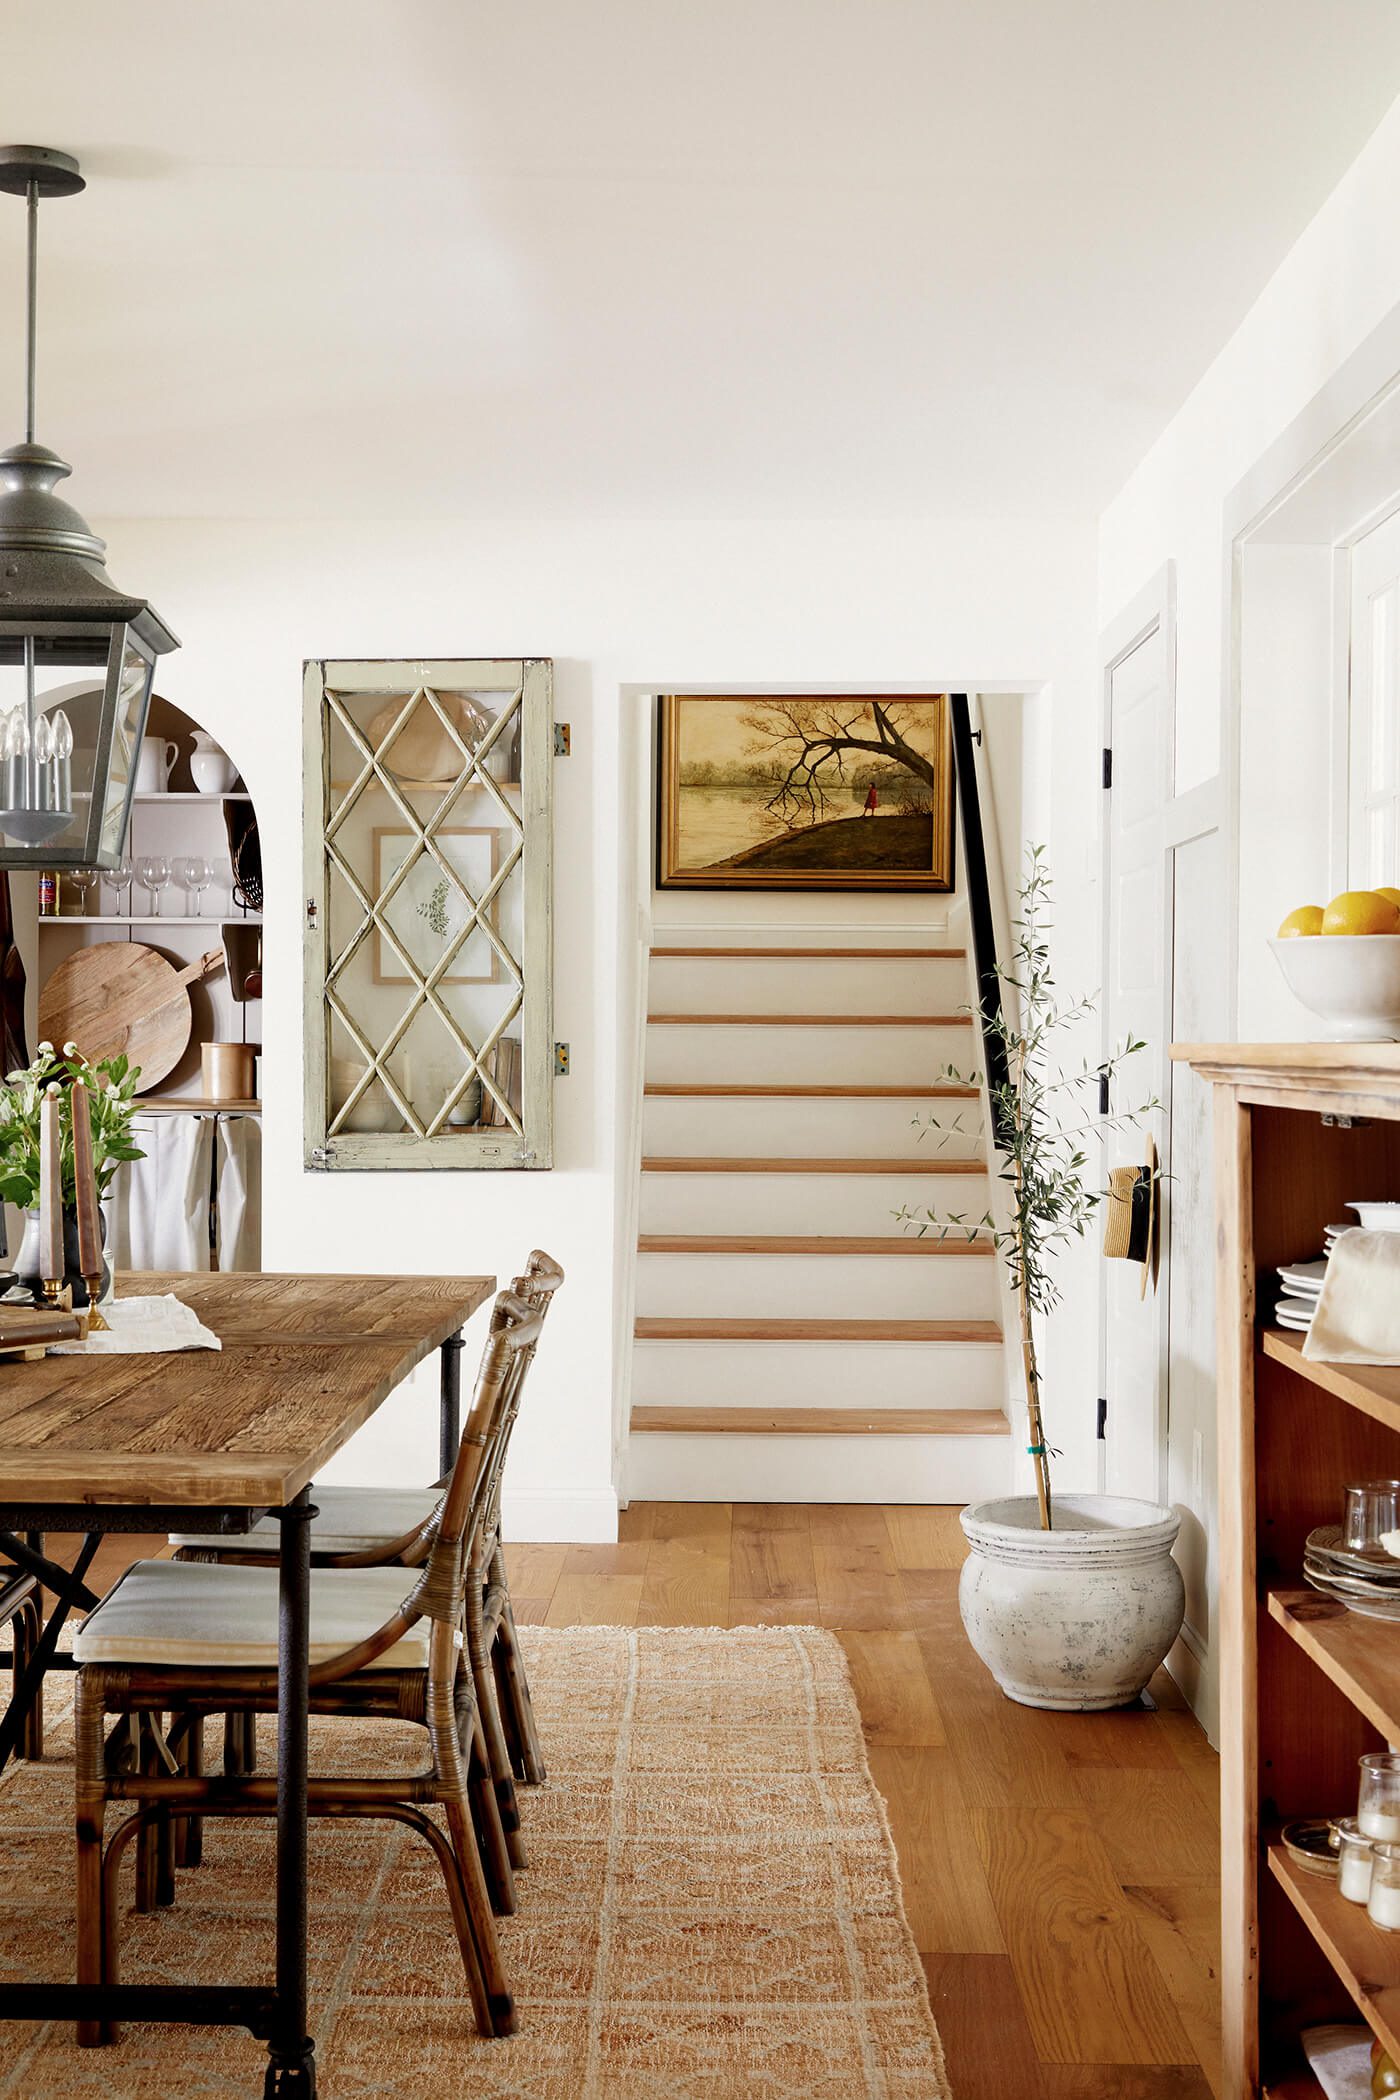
column 1137, row 709
column 1373, row 829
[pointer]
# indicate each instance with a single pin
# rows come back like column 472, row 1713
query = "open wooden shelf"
column 131, row 920
column 818, row 1421
column 1374, row 1388
column 1366, row 1959
column 1361, row 1656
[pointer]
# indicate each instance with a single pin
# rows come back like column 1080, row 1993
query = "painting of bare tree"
column 805, row 792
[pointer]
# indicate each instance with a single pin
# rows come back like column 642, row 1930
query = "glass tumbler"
column 1378, row 1801
column 1372, row 1506
column 1383, row 1903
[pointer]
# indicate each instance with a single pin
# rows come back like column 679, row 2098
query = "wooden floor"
column 1061, row 1872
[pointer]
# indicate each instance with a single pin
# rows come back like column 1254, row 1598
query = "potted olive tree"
column 1072, row 1600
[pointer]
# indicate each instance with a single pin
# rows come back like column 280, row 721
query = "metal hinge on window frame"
column 1102, row 1431
column 1108, row 765
column 561, row 740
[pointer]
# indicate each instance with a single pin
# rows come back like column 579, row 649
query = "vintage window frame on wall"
column 815, row 784
column 497, row 780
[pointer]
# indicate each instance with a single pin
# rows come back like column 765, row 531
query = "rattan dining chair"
column 20, row 1611
column 192, row 1639
column 357, row 1527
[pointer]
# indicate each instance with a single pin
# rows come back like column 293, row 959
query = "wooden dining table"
column 212, row 1440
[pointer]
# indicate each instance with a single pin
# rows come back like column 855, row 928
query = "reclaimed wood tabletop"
column 305, row 1362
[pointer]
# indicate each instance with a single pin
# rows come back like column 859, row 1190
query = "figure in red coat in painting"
column 872, row 801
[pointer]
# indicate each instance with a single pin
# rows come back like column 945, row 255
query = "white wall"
column 935, row 604
column 1328, row 299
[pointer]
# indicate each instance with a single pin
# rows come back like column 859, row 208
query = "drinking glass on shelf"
column 153, row 874
column 194, row 874
column 84, row 882
column 1372, row 1507
column 119, row 879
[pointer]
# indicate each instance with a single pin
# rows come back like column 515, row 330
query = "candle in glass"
column 85, row 1184
column 1354, row 1861
column 50, row 1189
column 1383, row 1903
column 1378, row 1804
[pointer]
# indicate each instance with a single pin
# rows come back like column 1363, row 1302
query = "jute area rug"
column 712, row 1906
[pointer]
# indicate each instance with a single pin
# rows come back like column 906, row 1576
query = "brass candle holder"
column 95, row 1322
column 51, row 1287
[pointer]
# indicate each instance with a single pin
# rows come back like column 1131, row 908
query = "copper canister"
column 228, row 1071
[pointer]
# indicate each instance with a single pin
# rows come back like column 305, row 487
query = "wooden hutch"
column 1306, row 1686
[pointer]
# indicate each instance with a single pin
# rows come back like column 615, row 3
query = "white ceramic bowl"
column 1350, row 981
column 1377, row 1217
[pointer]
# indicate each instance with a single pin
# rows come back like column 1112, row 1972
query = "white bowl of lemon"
column 1342, row 961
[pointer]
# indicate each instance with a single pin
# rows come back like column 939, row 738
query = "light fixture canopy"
column 77, row 655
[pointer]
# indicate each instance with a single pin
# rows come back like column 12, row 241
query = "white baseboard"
column 560, row 1516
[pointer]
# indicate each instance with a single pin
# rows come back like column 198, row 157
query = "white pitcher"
column 212, row 770
column 153, row 762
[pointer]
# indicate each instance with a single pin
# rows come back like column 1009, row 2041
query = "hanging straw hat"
column 1130, row 1215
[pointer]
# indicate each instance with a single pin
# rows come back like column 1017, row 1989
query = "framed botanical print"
column 429, row 907
column 806, row 792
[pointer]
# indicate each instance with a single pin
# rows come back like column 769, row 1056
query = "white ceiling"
column 724, row 258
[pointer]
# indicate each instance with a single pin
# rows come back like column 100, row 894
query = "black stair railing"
column 979, row 906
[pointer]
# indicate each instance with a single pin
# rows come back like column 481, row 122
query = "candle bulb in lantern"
column 85, row 1185
column 51, row 1264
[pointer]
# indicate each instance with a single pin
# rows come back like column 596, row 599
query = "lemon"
column 1306, row 919
column 1361, row 912
column 1382, row 891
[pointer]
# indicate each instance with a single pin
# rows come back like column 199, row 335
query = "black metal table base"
column 277, row 2016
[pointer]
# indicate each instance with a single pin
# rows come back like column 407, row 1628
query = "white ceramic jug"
column 153, row 762
column 213, row 771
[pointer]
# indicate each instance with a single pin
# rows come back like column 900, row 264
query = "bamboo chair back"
column 436, row 1591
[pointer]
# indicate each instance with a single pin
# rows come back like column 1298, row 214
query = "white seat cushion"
column 189, row 1613
column 347, row 1520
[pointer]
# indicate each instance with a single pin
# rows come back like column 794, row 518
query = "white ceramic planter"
column 1078, row 1617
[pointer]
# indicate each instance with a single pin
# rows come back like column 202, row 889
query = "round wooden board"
column 119, row 996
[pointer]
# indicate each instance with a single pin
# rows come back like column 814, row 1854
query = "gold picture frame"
column 809, row 791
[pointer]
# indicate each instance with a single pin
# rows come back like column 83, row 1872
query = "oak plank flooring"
column 1058, row 1869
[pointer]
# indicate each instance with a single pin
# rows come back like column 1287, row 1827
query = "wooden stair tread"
column 871, row 954
column 819, row 1421
column 810, row 1020
column 656, row 1328
column 660, row 1164
column 821, row 1243
column 683, row 1090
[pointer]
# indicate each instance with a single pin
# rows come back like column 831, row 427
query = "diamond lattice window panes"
column 429, row 1022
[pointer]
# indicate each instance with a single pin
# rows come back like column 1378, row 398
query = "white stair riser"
column 680, row 1468
column 817, row 1374
column 781, row 1127
column 794, row 1286
column 719, row 1052
column 793, row 1203
column 824, row 985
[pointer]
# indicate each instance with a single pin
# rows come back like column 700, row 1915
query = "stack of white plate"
column 1367, row 1582
column 1302, row 1284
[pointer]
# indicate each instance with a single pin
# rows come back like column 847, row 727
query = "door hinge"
column 1108, row 765
column 561, row 1060
column 561, row 740
column 1103, row 1419
column 1103, row 1093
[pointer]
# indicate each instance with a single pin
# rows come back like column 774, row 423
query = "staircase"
column 780, row 1312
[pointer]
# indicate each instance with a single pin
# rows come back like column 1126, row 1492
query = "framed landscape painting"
column 805, row 793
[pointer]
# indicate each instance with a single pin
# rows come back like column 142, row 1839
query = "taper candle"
column 85, row 1183
column 51, row 1263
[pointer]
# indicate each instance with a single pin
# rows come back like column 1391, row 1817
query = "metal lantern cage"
column 77, row 655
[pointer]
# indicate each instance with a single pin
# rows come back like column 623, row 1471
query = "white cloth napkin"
column 1358, row 1314
column 1341, row 2060
column 143, row 1327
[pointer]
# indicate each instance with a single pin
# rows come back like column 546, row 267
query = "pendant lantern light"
column 76, row 654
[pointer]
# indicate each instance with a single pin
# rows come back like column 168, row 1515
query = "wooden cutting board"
column 121, row 996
